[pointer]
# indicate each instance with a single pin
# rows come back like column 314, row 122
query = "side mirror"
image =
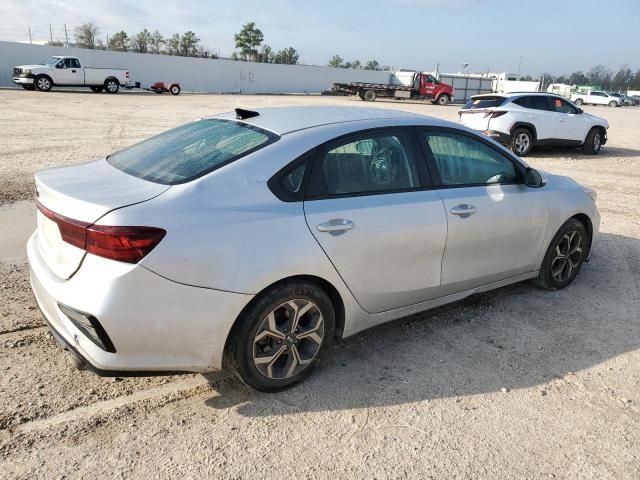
column 60, row 65
column 580, row 110
column 533, row 178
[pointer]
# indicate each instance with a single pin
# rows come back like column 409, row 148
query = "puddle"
column 17, row 223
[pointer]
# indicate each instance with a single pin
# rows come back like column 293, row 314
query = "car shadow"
column 576, row 153
column 515, row 337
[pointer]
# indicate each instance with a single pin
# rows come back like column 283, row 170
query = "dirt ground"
column 514, row 383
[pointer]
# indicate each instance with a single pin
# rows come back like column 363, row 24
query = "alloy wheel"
column 44, row 83
column 288, row 339
column 568, row 253
column 112, row 86
column 522, row 143
column 596, row 142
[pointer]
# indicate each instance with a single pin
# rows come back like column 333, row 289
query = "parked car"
column 522, row 121
column 252, row 240
column 596, row 98
column 66, row 71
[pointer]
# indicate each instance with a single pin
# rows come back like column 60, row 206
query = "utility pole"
column 519, row 65
column 66, row 36
column 29, row 27
column 107, row 42
column 50, row 35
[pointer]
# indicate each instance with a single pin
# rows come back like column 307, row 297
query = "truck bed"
column 354, row 86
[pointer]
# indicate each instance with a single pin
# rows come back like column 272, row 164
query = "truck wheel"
column 613, row 104
column 96, row 89
column 579, row 101
column 370, row 96
column 443, row 99
column 593, row 143
column 43, row 83
column 111, row 85
column 361, row 95
column 521, row 142
column 174, row 89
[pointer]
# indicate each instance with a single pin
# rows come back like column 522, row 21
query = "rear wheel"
column 361, row 95
column 96, row 89
column 566, row 254
column 593, row 143
column 579, row 101
column 174, row 89
column 111, row 85
column 521, row 142
column 278, row 341
column 443, row 99
column 43, row 83
column 370, row 95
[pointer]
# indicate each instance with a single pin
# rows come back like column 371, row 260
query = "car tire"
column 443, row 99
column 96, row 89
column 593, row 142
column 361, row 95
column 521, row 142
column 579, row 101
column 565, row 256
column 370, row 95
column 43, row 83
column 174, row 90
column 111, row 85
column 613, row 104
column 264, row 328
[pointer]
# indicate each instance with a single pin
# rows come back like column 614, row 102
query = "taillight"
column 126, row 74
column 495, row 113
column 125, row 244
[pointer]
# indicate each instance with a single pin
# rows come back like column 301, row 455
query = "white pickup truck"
column 595, row 98
column 67, row 72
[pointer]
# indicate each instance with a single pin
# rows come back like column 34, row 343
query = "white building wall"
column 194, row 74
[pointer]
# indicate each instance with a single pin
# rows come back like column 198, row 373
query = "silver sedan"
column 252, row 240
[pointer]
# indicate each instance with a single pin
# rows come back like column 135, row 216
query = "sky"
column 490, row 35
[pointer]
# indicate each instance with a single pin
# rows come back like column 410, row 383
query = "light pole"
column 519, row 65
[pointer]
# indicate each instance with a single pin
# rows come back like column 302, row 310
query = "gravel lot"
column 515, row 383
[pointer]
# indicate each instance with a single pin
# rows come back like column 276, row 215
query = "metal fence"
column 194, row 74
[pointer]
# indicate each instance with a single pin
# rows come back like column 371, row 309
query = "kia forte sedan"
column 252, row 240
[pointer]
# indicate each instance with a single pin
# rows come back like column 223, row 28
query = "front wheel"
column 613, row 104
column 443, row 100
column 579, row 101
column 521, row 142
column 593, row 143
column 111, row 85
column 565, row 255
column 279, row 340
column 43, row 83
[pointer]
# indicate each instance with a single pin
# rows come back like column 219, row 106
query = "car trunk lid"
column 70, row 199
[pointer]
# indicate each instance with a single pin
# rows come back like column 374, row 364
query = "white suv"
column 521, row 121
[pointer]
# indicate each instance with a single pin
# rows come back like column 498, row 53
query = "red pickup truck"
column 423, row 86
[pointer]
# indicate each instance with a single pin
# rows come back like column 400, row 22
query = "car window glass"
column 484, row 102
column 562, row 106
column 75, row 63
column 462, row 160
column 370, row 164
column 522, row 101
column 292, row 181
column 539, row 102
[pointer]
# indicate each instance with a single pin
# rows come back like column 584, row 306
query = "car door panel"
column 392, row 255
column 501, row 239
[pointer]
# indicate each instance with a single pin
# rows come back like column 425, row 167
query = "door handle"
column 73, row 71
column 336, row 226
column 464, row 210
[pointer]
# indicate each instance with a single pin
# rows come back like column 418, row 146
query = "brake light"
column 125, row 244
column 494, row 113
column 126, row 74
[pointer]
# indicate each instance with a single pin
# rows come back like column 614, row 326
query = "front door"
column 496, row 225
column 68, row 72
column 370, row 210
column 572, row 126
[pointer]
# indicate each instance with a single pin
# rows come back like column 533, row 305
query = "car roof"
column 283, row 120
column 515, row 94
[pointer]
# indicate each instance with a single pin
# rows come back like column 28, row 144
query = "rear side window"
column 461, row 160
column 485, row 102
column 368, row 164
column 190, row 151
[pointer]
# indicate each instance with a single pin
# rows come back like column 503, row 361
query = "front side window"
column 462, row 160
column 369, row 164
column 192, row 150
column 562, row 106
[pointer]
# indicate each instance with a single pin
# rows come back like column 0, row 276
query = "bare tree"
column 157, row 41
column 86, row 34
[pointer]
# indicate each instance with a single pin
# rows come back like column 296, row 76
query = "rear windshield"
column 485, row 102
column 190, row 151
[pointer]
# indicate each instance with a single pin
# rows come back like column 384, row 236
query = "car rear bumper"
column 156, row 325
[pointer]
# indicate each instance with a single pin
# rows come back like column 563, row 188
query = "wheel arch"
column 327, row 287
column 111, row 77
column 528, row 126
column 586, row 221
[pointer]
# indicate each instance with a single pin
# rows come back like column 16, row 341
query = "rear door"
column 496, row 225
column 540, row 115
column 371, row 209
